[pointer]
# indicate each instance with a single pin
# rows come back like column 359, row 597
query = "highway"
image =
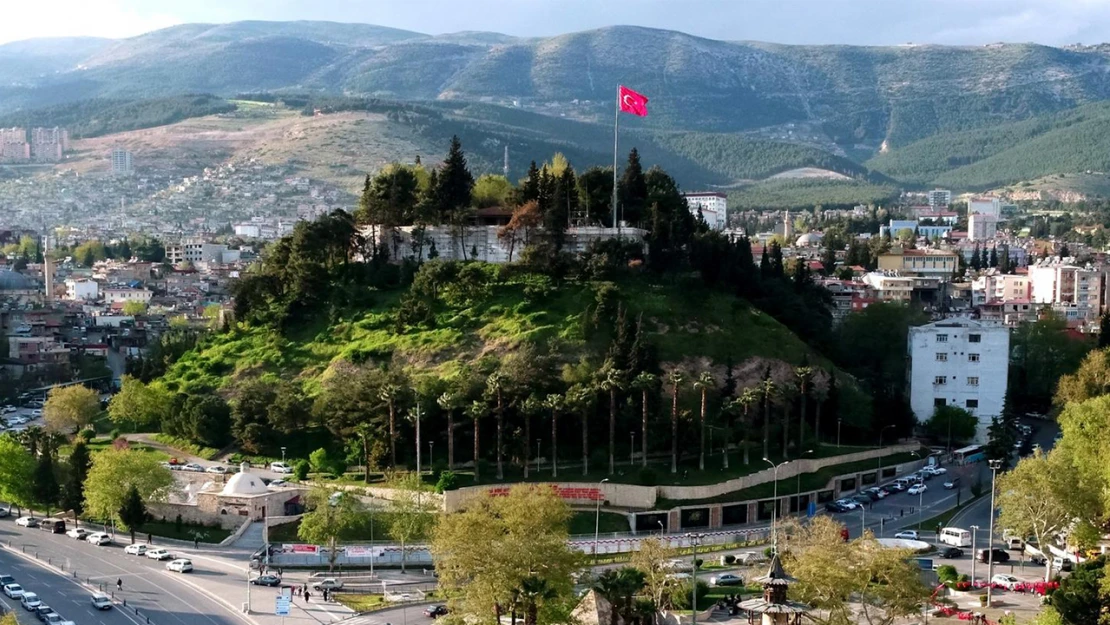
column 67, row 597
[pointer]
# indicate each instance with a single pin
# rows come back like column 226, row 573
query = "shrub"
column 680, row 595
column 114, row 434
column 87, row 434
column 447, row 481
column 301, row 470
column 947, row 574
column 177, row 524
column 698, row 562
column 769, row 552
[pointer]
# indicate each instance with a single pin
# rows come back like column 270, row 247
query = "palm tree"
column 676, row 379
column 620, row 587
column 747, row 398
column 704, row 382
column 450, row 402
column 580, row 397
column 388, row 393
column 767, row 389
column 32, row 438
column 803, row 373
column 644, row 382
column 475, row 411
column 554, row 403
column 531, row 405
column 534, row 591
column 612, row 381
column 495, row 385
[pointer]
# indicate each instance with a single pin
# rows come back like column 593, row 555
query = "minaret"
column 505, row 167
column 47, row 269
column 787, row 230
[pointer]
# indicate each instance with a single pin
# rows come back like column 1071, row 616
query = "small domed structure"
column 15, row 281
column 244, row 483
column 809, row 239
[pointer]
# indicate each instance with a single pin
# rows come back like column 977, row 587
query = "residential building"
column 82, row 290
column 933, row 232
column 199, row 251
column 986, row 205
column 1058, row 282
column 982, row 227
column 121, row 162
column 945, row 217
column 889, row 286
column 999, row 287
column 713, row 207
column 938, row 263
column 1010, row 314
column 48, row 144
column 939, row 198
column 36, row 351
column 113, row 295
column 962, row 363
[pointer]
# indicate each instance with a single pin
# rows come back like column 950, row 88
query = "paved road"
column 66, row 596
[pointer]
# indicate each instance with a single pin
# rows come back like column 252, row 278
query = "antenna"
column 505, row 167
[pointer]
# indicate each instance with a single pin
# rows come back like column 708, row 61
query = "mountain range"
column 916, row 114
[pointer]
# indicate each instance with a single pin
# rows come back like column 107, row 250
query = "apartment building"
column 713, row 207
column 938, row 263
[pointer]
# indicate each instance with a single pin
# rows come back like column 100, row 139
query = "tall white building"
column 939, row 198
column 981, row 226
column 713, row 207
column 121, row 161
column 962, row 363
column 986, row 205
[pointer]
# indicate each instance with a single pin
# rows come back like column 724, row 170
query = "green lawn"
column 610, row 522
column 167, row 529
column 183, row 445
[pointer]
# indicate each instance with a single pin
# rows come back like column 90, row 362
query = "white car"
column 78, row 532
column 158, row 554
column 278, row 483
column 937, row 470
column 849, row 504
column 27, row 521
column 13, row 591
column 917, row 489
column 137, row 549
column 180, row 565
column 216, row 469
column 101, row 601
column 908, row 535
column 194, row 467
column 281, row 467
column 36, row 412
column 1009, row 582
column 30, row 601
column 99, row 539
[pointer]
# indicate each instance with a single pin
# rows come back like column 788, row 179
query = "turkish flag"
column 632, row 102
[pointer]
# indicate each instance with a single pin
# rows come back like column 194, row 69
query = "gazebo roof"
column 593, row 609
column 775, row 576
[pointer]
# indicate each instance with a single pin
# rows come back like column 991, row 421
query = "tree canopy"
column 70, row 408
column 113, row 474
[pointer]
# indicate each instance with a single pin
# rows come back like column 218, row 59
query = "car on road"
column 158, row 553
column 1009, row 582
column 13, row 591
column 30, row 601
column 281, row 467
column 1061, row 564
column 78, row 532
column 99, row 539
column 917, row 489
column 952, row 484
column 908, row 535
column 6, row 579
column 43, row 611
column 27, row 521
column 136, row 549
column 727, row 579
column 37, row 412
column 328, row 583
column 833, row 506
column 848, row 504
column 5, row 512
column 951, row 552
column 180, row 565
column 216, row 469
column 999, row 555
column 266, row 579
column 435, row 611
column 101, row 601
column 278, row 483
column 55, row 619
column 193, row 467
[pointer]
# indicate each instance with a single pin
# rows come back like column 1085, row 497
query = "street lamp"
column 431, row 458
column 632, row 448
column 283, row 455
column 695, row 539
column 995, row 466
column 662, row 530
column 597, row 517
column 539, row 453
column 974, row 544
column 838, row 422
column 798, row 488
column 775, row 506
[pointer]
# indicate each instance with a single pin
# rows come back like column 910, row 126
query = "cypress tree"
column 985, row 261
column 976, row 259
column 765, row 264
column 1104, row 330
column 632, row 191
column 994, row 256
column 530, row 190
column 455, row 182
column 44, row 482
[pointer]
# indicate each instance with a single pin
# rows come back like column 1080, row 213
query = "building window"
column 972, row 403
column 940, row 380
column 973, row 338
column 973, row 357
column 942, row 357
column 973, row 381
column 938, row 402
column 942, row 338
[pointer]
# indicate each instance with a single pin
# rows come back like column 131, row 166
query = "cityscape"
column 337, row 322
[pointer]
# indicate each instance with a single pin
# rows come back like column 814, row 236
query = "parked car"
column 435, row 611
column 30, row 601
column 266, row 579
column 158, row 553
column 281, row 467
column 917, row 489
column 5, row 512
column 727, row 579
column 278, row 483
column 101, row 601
column 999, row 555
column 897, row 487
column 137, row 549
column 55, row 619
column 1061, row 564
column 908, row 535
column 1006, row 581
column 329, row 583
column 180, row 565
column 99, row 539
column 27, row 521
column 13, row 591
column 216, row 469
column 78, row 532
column 861, row 499
column 6, row 579
column 952, row 483
column 848, row 504
column 951, row 552
column 193, row 467
column 833, row 506
column 43, row 611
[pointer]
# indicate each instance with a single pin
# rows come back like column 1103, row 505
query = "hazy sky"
column 788, row 21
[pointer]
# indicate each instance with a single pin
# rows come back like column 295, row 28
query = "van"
column 54, row 526
column 280, row 467
column 1061, row 564
column 1014, row 543
column 955, row 536
column 904, row 482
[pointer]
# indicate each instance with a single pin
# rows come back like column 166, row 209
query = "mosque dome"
column 244, row 483
column 15, row 281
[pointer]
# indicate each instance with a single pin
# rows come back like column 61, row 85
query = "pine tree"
column 44, row 482
column 530, row 190
column 777, row 268
column 133, row 511
column 984, row 261
column 765, row 264
column 976, row 262
column 994, row 256
column 455, row 182
column 632, row 191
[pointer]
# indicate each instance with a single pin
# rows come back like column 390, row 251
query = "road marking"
column 230, row 608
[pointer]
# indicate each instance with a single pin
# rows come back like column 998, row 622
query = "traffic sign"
column 281, row 606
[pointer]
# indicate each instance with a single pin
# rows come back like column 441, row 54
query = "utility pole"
column 995, row 466
column 695, row 539
column 974, row 544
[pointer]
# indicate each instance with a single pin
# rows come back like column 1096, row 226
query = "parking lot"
column 17, row 418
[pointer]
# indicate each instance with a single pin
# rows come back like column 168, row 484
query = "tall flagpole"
column 616, row 120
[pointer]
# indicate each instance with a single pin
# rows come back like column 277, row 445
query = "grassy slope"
column 807, row 193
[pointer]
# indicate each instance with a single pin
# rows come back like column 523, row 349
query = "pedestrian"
column 119, row 583
column 149, row 539
column 306, row 596
column 196, row 542
column 279, row 571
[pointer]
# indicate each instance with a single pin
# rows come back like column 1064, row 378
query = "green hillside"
column 95, row 118
column 806, row 193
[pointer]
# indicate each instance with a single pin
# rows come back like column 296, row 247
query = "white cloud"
column 64, row 18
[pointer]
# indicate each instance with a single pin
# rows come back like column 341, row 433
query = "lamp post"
column 838, row 422
column 283, row 455
column 597, row 517
column 798, row 487
column 632, row 448
column 775, row 506
column 662, row 530
column 974, row 544
column 995, row 466
column 431, row 458
column 695, row 539
column 539, row 453
column 372, row 509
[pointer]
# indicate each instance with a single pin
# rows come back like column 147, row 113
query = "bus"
column 955, row 536
column 971, row 453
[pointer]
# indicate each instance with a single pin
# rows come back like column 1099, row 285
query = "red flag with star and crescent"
column 632, row 102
